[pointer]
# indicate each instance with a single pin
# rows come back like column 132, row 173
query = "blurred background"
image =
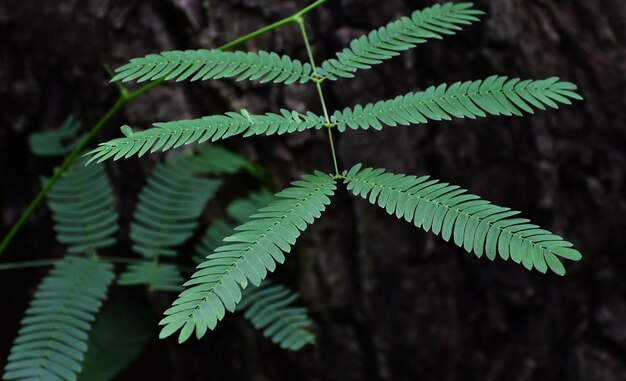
column 388, row 301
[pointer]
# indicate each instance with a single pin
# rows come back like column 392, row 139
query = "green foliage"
column 269, row 308
column 472, row 223
column 496, row 95
column 82, row 209
column 400, row 35
column 53, row 338
column 183, row 132
column 158, row 276
column 122, row 330
column 251, row 252
column 53, row 142
column 214, row 64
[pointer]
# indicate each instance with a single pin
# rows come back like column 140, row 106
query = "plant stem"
column 320, row 93
column 59, row 171
column 51, row 261
column 27, row 264
column 124, row 98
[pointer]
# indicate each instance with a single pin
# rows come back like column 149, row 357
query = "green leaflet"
column 53, row 338
column 119, row 334
column 158, row 276
column 269, row 308
column 388, row 41
column 54, row 142
column 214, row 64
column 82, row 209
column 252, row 251
column 183, row 132
column 496, row 95
column 473, row 224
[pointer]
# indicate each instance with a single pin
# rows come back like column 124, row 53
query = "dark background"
column 389, row 302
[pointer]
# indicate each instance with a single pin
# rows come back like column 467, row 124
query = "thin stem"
column 27, row 264
column 273, row 26
column 320, row 93
column 51, row 261
column 124, row 98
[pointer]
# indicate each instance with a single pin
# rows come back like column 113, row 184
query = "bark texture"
column 389, row 301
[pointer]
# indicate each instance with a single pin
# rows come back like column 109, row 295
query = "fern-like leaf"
column 183, row 132
column 400, row 35
column 54, row 142
column 82, row 208
column 53, row 338
column 495, row 95
column 170, row 204
column 119, row 334
column 473, row 224
column 214, row 64
column 158, row 276
column 269, row 308
column 253, row 250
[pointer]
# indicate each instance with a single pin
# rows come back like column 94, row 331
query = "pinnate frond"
column 170, row 204
column 214, row 64
column 82, row 208
column 249, row 254
column 157, row 276
column 183, row 132
column 270, row 309
column 388, row 41
column 473, row 224
column 495, row 95
column 54, row 142
column 53, row 338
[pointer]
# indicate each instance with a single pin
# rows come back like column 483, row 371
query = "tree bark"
column 389, row 301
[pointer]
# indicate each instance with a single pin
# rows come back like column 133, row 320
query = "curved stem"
column 126, row 97
column 320, row 93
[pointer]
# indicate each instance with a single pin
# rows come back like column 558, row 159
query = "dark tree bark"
column 389, row 301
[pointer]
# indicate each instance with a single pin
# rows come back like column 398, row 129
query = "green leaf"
column 169, row 205
column 495, row 95
column 247, row 256
column 165, row 136
column 475, row 225
column 269, row 308
column 81, row 202
column 214, row 64
column 53, row 338
column 157, row 276
column 54, row 142
column 390, row 40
